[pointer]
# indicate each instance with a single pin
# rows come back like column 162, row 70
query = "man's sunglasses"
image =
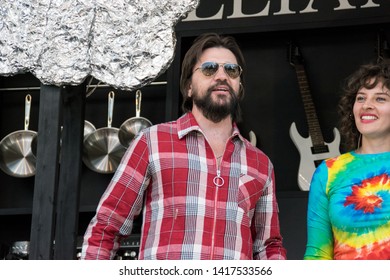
column 210, row 68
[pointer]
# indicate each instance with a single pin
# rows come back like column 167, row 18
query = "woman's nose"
column 367, row 105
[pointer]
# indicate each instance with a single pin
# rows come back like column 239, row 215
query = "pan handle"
column 138, row 97
column 27, row 108
column 111, row 96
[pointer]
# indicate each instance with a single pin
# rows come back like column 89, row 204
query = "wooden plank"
column 45, row 185
column 173, row 96
column 70, row 173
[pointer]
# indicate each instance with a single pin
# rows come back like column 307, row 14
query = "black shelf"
column 15, row 211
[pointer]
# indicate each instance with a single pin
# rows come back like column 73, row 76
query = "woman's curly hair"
column 367, row 76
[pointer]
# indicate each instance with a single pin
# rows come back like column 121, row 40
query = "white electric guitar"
column 313, row 150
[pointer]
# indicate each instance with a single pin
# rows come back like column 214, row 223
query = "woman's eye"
column 359, row 98
column 381, row 99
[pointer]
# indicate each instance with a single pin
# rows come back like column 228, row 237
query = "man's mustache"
column 231, row 90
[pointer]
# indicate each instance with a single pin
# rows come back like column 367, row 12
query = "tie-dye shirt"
column 349, row 208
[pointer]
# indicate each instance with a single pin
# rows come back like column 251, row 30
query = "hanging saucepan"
column 16, row 158
column 102, row 151
column 88, row 128
column 131, row 127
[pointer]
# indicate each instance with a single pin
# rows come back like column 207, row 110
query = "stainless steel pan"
column 88, row 128
column 102, row 151
column 131, row 127
column 16, row 158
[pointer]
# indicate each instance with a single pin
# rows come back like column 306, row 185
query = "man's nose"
column 221, row 74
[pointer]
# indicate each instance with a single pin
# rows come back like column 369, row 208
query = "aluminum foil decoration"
column 123, row 43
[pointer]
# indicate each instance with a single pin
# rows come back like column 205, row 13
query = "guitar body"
column 309, row 160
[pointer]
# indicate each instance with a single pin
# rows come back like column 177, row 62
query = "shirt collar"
column 188, row 123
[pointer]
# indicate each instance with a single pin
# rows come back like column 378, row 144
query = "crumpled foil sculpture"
column 123, row 43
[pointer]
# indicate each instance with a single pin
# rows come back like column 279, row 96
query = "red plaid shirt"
column 170, row 173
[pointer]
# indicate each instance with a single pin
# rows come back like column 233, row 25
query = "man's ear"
column 241, row 91
column 189, row 90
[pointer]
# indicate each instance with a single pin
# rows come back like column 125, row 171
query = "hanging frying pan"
column 131, row 127
column 88, row 128
column 102, row 151
column 16, row 158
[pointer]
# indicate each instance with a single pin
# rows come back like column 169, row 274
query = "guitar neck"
column 310, row 111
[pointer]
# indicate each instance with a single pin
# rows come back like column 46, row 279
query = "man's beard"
column 216, row 111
